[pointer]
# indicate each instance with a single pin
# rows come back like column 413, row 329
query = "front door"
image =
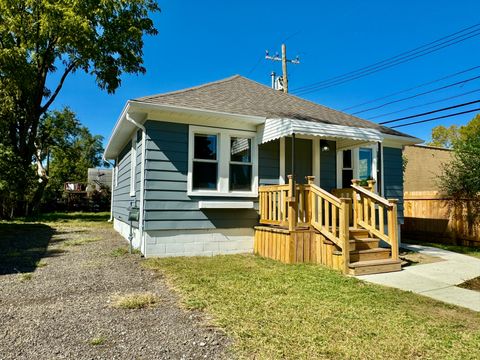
column 303, row 158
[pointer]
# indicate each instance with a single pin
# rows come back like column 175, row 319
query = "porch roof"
column 281, row 127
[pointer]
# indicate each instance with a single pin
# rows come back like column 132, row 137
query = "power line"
column 436, row 118
column 412, row 88
column 431, row 112
column 373, row 71
column 425, row 104
column 417, row 95
column 392, row 61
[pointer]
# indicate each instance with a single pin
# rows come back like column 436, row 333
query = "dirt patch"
column 64, row 311
column 472, row 284
column 411, row 258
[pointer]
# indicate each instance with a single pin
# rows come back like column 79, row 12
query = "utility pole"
column 284, row 61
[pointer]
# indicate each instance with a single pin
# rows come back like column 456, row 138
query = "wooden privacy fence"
column 429, row 216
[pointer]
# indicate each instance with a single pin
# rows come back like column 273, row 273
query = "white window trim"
column 223, row 160
column 133, row 163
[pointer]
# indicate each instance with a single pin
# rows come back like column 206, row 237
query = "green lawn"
column 276, row 311
column 466, row 250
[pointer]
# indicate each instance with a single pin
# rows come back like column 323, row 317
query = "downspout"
column 112, row 188
column 142, row 183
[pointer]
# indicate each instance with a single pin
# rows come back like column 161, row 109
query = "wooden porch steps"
column 367, row 257
column 369, row 254
column 374, row 266
column 363, row 244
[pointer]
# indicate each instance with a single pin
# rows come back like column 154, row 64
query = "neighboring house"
column 99, row 179
column 424, row 166
column 193, row 160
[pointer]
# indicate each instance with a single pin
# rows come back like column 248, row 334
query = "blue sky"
column 202, row 41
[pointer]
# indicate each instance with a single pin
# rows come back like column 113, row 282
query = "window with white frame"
column 240, row 178
column 205, row 162
column 133, row 163
column 222, row 162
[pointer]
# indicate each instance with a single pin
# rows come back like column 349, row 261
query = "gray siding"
column 121, row 192
column 328, row 167
column 303, row 159
column 393, row 177
column 167, row 205
column 269, row 163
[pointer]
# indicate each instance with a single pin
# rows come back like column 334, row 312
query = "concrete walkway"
column 436, row 280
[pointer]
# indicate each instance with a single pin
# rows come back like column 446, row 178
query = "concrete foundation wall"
column 201, row 242
column 124, row 229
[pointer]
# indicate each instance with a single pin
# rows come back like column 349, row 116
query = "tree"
column 65, row 150
column 460, row 178
column 444, row 136
column 447, row 136
column 42, row 37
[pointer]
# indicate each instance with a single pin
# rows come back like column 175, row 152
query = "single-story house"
column 194, row 162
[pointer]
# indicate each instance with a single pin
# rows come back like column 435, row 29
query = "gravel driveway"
column 67, row 303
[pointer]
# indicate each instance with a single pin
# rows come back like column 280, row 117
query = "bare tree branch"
column 67, row 71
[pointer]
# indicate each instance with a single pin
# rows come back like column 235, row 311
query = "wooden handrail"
column 265, row 188
column 372, row 195
column 321, row 192
column 369, row 213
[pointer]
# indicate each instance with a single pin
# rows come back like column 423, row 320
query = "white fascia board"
column 110, row 151
column 400, row 141
column 257, row 120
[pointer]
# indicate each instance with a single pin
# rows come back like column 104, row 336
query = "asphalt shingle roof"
column 242, row 96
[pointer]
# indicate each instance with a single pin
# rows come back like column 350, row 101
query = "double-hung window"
column 240, row 178
column 222, row 162
column 205, row 162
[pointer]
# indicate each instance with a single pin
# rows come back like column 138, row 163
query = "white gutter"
column 142, row 183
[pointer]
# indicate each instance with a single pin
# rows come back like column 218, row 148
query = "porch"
column 353, row 230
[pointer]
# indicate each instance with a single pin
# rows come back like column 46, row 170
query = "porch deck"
column 356, row 233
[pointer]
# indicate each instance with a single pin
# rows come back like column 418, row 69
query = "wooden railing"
column 376, row 214
column 274, row 204
column 309, row 205
column 330, row 216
